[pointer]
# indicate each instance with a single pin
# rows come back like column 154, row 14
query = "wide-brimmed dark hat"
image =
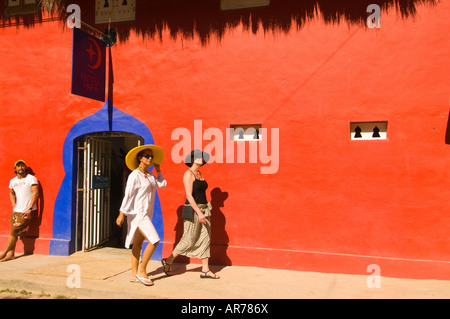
column 189, row 160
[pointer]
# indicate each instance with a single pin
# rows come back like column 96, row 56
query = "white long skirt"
column 145, row 225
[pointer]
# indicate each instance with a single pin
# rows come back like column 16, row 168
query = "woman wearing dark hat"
column 196, row 239
column 138, row 204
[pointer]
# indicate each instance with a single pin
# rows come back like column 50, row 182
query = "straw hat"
column 132, row 161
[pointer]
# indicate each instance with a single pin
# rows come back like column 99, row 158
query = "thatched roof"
column 206, row 19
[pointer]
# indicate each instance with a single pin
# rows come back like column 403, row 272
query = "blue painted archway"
column 64, row 215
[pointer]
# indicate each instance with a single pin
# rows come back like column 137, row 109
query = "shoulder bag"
column 188, row 212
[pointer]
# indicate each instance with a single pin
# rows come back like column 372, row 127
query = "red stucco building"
column 310, row 75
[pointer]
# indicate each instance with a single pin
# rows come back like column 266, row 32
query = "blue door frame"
column 106, row 119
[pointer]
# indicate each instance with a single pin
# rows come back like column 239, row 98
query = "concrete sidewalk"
column 105, row 274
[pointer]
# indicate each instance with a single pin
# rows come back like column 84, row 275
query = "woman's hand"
column 119, row 220
column 201, row 218
column 157, row 168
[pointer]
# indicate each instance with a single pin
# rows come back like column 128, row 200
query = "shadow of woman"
column 32, row 233
column 219, row 236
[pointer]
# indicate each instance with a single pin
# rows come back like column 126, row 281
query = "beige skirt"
column 196, row 238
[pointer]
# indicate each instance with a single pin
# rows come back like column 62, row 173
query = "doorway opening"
column 101, row 180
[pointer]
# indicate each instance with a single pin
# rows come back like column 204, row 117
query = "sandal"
column 145, row 281
column 204, row 275
column 164, row 263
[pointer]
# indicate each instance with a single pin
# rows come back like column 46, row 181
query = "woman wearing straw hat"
column 138, row 204
column 196, row 239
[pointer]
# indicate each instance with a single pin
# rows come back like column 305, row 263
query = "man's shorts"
column 19, row 223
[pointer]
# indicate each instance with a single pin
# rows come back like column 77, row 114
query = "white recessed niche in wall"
column 365, row 131
column 246, row 132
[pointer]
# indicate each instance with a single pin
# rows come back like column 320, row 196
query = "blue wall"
column 64, row 216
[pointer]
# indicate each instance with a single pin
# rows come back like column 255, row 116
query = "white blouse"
column 138, row 203
column 140, row 192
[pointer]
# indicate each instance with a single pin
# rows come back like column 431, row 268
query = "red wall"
column 334, row 205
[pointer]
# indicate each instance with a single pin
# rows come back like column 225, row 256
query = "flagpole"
column 92, row 28
column 110, row 84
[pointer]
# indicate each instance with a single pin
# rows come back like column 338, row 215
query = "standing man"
column 24, row 192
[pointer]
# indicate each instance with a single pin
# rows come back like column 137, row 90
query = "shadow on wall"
column 447, row 132
column 219, row 236
column 206, row 19
column 32, row 233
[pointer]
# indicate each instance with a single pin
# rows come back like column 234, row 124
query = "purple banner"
column 88, row 66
